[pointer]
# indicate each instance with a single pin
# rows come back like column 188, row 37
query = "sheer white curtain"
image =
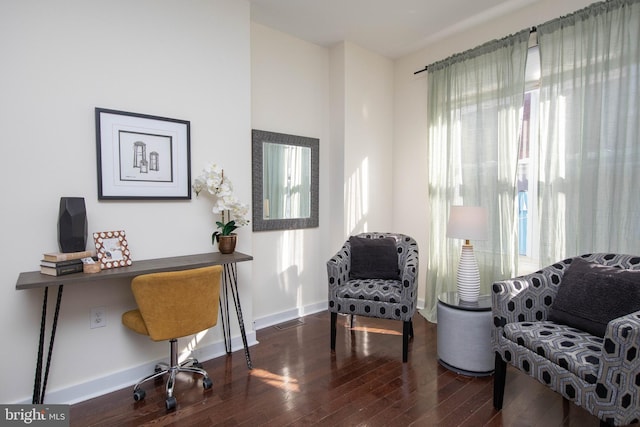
column 590, row 132
column 474, row 109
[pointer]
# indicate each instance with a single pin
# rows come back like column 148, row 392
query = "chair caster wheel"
column 207, row 383
column 170, row 403
column 138, row 394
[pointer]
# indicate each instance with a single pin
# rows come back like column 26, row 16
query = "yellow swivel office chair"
column 173, row 305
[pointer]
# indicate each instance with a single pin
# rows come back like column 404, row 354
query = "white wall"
column 290, row 94
column 344, row 97
column 410, row 207
column 337, row 102
column 187, row 60
column 368, row 141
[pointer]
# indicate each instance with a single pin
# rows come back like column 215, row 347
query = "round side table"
column 464, row 335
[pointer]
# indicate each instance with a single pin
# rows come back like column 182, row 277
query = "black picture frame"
column 140, row 156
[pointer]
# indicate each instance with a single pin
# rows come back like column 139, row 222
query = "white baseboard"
column 284, row 316
column 314, row 308
column 129, row 377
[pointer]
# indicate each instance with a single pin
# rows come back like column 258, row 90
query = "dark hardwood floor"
column 297, row 381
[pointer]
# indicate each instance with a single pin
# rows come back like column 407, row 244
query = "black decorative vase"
column 72, row 224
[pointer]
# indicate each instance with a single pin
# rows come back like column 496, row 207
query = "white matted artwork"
column 141, row 156
column 112, row 249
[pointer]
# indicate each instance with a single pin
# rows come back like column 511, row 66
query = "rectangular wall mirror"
column 285, row 181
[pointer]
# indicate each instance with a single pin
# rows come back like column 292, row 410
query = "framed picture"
column 142, row 157
column 112, row 249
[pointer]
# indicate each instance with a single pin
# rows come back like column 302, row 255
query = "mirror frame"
column 258, row 137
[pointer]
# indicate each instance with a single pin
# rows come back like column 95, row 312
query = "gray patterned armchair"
column 598, row 370
column 386, row 297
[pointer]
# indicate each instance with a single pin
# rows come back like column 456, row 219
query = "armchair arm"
column 528, row 297
column 515, row 300
column 409, row 275
column 619, row 376
column 338, row 268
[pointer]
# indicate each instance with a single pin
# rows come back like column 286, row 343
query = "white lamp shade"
column 468, row 223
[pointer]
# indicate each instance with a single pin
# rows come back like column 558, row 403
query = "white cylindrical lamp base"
column 468, row 275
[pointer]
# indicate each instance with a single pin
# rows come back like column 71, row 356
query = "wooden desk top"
column 35, row 279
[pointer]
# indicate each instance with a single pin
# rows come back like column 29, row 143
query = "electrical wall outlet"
column 98, row 317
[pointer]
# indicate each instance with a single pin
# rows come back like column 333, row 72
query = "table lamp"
column 468, row 223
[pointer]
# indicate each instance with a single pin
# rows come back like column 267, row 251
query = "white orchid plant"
column 233, row 213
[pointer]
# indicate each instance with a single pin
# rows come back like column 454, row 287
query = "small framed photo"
column 112, row 249
column 141, row 156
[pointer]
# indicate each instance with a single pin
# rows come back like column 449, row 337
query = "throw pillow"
column 374, row 258
column 590, row 295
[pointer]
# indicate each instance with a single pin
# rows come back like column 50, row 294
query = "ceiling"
column 392, row 28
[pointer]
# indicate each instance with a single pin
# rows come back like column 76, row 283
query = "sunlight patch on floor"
column 375, row 330
column 284, row 383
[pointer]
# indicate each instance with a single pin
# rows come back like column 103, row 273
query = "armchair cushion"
column 591, row 295
column 374, row 258
column 372, row 290
column 572, row 349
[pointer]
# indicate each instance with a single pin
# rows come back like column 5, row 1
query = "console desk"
column 37, row 280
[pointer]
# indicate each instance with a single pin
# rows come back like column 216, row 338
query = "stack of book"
column 61, row 263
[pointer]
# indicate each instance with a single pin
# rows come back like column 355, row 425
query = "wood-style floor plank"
column 298, row 381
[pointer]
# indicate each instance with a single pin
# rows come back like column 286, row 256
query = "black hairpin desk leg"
column 230, row 283
column 40, row 383
column 224, row 315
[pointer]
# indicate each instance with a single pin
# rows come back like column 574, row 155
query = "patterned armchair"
column 600, row 374
column 381, row 298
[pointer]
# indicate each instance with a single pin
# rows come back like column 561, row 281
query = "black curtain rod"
column 426, row 67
